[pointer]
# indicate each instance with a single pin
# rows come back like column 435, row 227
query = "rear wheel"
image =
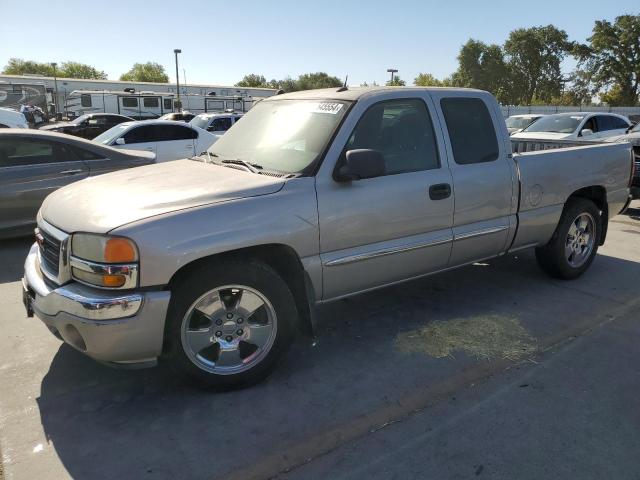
column 574, row 244
column 229, row 323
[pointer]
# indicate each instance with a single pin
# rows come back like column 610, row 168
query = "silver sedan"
column 35, row 163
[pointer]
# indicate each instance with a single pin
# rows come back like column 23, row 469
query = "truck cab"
column 216, row 123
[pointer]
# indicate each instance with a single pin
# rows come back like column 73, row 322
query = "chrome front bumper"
column 110, row 326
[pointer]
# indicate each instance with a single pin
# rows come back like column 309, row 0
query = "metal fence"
column 507, row 110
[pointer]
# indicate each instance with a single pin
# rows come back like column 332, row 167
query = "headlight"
column 104, row 261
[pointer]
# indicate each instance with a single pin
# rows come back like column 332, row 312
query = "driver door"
column 393, row 227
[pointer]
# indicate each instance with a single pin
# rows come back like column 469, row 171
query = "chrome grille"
column 50, row 252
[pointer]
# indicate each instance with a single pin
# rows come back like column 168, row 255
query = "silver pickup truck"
column 211, row 264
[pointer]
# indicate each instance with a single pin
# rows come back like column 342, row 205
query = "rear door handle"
column 439, row 191
column 71, row 172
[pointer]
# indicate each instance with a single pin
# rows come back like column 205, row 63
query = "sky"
column 223, row 41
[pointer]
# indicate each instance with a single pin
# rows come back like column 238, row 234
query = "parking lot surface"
column 490, row 371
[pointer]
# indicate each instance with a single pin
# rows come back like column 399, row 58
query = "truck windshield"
column 556, row 124
column 282, row 135
column 79, row 120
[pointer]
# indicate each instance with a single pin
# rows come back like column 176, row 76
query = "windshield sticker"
column 327, row 107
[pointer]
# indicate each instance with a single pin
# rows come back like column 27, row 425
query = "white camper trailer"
column 138, row 105
column 146, row 105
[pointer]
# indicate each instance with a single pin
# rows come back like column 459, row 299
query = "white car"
column 574, row 126
column 216, row 123
column 169, row 140
column 12, row 119
column 517, row 123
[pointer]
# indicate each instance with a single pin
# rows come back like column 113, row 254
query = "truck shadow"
column 106, row 423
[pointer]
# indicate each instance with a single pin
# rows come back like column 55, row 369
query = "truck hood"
column 541, row 135
column 100, row 204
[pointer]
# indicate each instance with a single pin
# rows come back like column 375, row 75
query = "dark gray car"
column 34, row 163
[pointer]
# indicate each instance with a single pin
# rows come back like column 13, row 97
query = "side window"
column 83, row 154
column 151, row 102
column 174, row 132
column 129, row 102
column 604, row 122
column 168, row 104
column 26, row 151
column 471, row 131
column 220, row 125
column 402, row 131
column 619, row 123
column 85, row 100
column 142, row 134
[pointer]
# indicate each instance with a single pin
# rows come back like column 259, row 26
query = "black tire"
column 253, row 274
column 552, row 258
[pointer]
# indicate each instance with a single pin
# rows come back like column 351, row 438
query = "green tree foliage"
column 17, row 66
column 253, row 81
column 612, row 59
column 146, row 72
column 428, row 80
column 483, row 66
column 533, row 58
column 306, row 81
column 396, row 82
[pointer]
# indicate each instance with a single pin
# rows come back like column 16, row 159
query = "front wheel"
column 229, row 323
column 574, row 244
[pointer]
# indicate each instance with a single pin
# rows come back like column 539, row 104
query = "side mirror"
column 585, row 132
column 360, row 164
column 120, row 141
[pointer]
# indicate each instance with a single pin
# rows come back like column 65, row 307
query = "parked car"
column 168, row 140
column 517, row 123
column 211, row 264
column 633, row 137
column 216, row 123
column 88, row 126
column 10, row 118
column 573, row 126
column 34, row 163
column 178, row 116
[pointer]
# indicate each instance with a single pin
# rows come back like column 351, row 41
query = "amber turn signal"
column 119, row 250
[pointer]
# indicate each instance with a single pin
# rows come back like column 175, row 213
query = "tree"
column 396, row 82
column 483, row 66
column 310, row 81
column 428, row 80
column 253, row 81
column 612, row 59
column 17, row 66
column 533, row 57
column 146, row 72
column 81, row 70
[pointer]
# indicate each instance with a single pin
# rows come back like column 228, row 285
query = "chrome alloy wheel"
column 581, row 239
column 229, row 329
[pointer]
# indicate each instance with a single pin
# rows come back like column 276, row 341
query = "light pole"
column 177, row 51
column 55, row 86
column 392, row 71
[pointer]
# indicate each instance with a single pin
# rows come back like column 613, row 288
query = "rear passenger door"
column 174, row 142
column 30, row 169
column 483, row 175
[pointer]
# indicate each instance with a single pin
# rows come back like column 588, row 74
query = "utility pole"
column 392, row 71
column 177, row 51
column 55, row 86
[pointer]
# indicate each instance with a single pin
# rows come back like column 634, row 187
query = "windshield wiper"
column 252, row 167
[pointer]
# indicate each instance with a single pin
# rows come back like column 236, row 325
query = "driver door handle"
column 71, row 172
column 439, row 191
